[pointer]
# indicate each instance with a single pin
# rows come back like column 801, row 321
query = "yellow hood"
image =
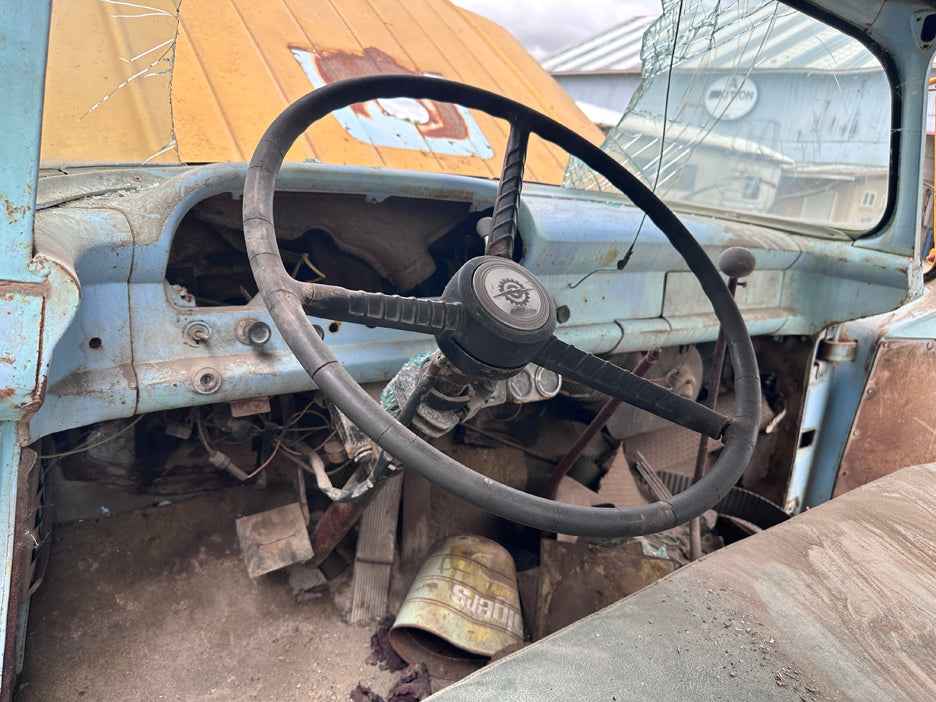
column 157, row 81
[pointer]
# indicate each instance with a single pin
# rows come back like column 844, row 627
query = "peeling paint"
column 442, row 120
column 422, row 125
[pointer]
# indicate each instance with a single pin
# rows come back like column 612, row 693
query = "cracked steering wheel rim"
column 289, row 302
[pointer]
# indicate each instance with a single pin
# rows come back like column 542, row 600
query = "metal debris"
column 274, row 539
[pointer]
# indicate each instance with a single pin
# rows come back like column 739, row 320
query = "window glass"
column 754, row 107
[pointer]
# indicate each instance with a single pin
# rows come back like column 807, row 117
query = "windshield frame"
column 893, row 80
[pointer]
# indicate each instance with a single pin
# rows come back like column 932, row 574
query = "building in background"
column 773, row 91
column 602, row 72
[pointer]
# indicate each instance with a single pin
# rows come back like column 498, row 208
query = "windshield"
column 753, row 107
column 743, row 107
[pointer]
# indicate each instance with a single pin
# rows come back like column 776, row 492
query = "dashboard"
column 166, row 292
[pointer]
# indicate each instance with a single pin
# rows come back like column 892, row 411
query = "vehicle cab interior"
column 341, row 343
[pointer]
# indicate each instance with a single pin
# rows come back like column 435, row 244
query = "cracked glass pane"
column 757, row 109
column 108, row 90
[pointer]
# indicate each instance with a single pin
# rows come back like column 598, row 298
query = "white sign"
column 730, row 97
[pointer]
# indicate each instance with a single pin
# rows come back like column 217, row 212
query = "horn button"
column 510, row 315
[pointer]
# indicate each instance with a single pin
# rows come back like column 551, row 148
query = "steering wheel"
column 494, row 317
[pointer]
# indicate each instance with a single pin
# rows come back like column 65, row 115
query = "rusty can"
column 462, row 608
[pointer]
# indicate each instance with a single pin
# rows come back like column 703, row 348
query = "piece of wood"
column 376, row 548
column 414, row 534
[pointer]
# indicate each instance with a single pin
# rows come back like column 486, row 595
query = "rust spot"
column 445, row 122
column 129, row 374
column 6, row 392
column 609, row 259
column 893, row 389
column 14, row 214
column 10, row 290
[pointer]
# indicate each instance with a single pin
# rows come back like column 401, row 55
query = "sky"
column 545, row 26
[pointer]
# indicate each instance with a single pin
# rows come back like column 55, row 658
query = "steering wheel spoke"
column 596, row 373
column 432, row 317
column 507, row 203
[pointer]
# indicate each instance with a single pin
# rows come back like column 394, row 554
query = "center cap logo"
column 511, row 295
column 514, row 291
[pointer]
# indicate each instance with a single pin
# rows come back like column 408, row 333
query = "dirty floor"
column 156, row 604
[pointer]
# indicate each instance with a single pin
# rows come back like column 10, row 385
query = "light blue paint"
column 25, row 26
column 629, row 295
column 126, row 236
column 843, row 385
column 119, row 252
column 833, row 399
column 90, row 367
column 22, row 59
column 893, row 27
column 833, row 402
column 392, row 122
column 817, row 398
column 90, row 373
column 832, row 282
column 19, row 336
column 155, row 213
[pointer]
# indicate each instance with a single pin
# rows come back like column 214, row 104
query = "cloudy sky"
column 545, row 26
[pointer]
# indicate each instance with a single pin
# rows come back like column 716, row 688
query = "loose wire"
column 666, row 101
column 267, row 461
column 95, row 445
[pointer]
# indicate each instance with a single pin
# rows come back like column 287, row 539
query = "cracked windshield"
column 756, row 109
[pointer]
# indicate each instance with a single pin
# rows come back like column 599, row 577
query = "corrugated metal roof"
column 770, row 37
column 161, row 81
column 614, row 50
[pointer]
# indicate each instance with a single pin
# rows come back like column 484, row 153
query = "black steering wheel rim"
column 285, row 305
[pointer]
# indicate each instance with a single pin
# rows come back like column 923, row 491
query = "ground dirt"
column 156, row 604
